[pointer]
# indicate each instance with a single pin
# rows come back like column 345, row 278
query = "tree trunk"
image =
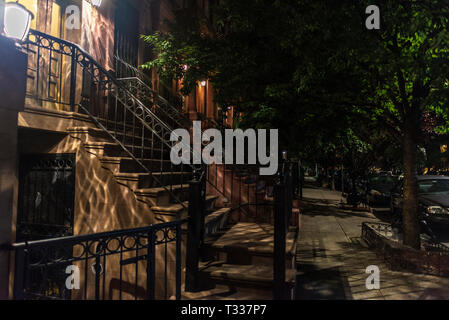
column 410, row 220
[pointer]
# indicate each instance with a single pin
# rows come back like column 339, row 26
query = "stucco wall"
column 97, row 36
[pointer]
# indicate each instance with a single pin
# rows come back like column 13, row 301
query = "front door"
column 126, row 37
column 46, row 197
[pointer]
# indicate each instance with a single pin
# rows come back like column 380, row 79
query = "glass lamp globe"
column 17, row 21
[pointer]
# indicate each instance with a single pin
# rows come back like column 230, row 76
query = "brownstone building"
column 85, row 137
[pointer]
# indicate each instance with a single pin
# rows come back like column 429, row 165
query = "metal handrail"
column 88, row 237
column 105, row 79
column 34, row 260
column 174, row 113
column 137, row 73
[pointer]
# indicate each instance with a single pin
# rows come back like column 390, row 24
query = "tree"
column 313, row 69
column 404, row 68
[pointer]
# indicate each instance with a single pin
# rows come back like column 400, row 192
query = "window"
column 436, row 186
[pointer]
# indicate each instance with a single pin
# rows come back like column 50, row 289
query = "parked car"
column 433, row 197
column 379, row 189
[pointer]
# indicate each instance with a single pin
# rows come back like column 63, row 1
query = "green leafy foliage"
column 312, row 69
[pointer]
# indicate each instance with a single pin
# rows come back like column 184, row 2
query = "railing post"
column 178, row 260
column 19, row 274
column 151, row 266
column 195, row 232
column 73, row 80
column 280, row 217
column 289, row 195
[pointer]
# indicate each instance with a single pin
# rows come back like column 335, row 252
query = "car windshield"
column 435, row 186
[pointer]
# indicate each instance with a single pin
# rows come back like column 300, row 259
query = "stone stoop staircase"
column 127, row 172
column 237, row 263
column 236, row 257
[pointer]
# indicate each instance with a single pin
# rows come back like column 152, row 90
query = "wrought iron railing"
column 252, row 196
column 118, row 265
column 281, row 208
column 161, row 107
column 142, row 134
column 126, row 70
column 52, row 72
column 128, row 110
column 140, row 128
column 138, row 85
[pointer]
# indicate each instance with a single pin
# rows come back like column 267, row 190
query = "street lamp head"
column 17, row 21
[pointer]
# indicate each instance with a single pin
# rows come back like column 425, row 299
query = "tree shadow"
column 324, row 284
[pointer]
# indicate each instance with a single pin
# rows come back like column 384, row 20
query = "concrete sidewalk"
column 332, row 260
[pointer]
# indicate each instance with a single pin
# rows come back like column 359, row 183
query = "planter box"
column 432, row 259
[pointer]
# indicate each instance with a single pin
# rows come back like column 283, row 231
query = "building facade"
column 86, row 179
column 63, row 176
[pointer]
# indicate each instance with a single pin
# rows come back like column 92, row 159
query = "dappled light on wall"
column 97, row 36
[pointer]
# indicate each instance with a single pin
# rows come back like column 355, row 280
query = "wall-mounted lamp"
column 284, row 155
column 17, row 21
column 203, row 83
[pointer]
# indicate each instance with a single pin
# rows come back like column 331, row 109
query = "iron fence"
column 136, row 264
column 433, row 258
column 142, row 134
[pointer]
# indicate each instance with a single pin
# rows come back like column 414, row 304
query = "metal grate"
column 46, row 196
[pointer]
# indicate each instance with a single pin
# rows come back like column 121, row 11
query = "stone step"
column 250, row 243
column 229, row 293
column 112, row 149
column 173, row 212
column 174, row 208
column 160, row 196
column 243, row 276
column 216, row 221
column 136, row 137
column 87, row 134
column 129, row 165
column 137, row 181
